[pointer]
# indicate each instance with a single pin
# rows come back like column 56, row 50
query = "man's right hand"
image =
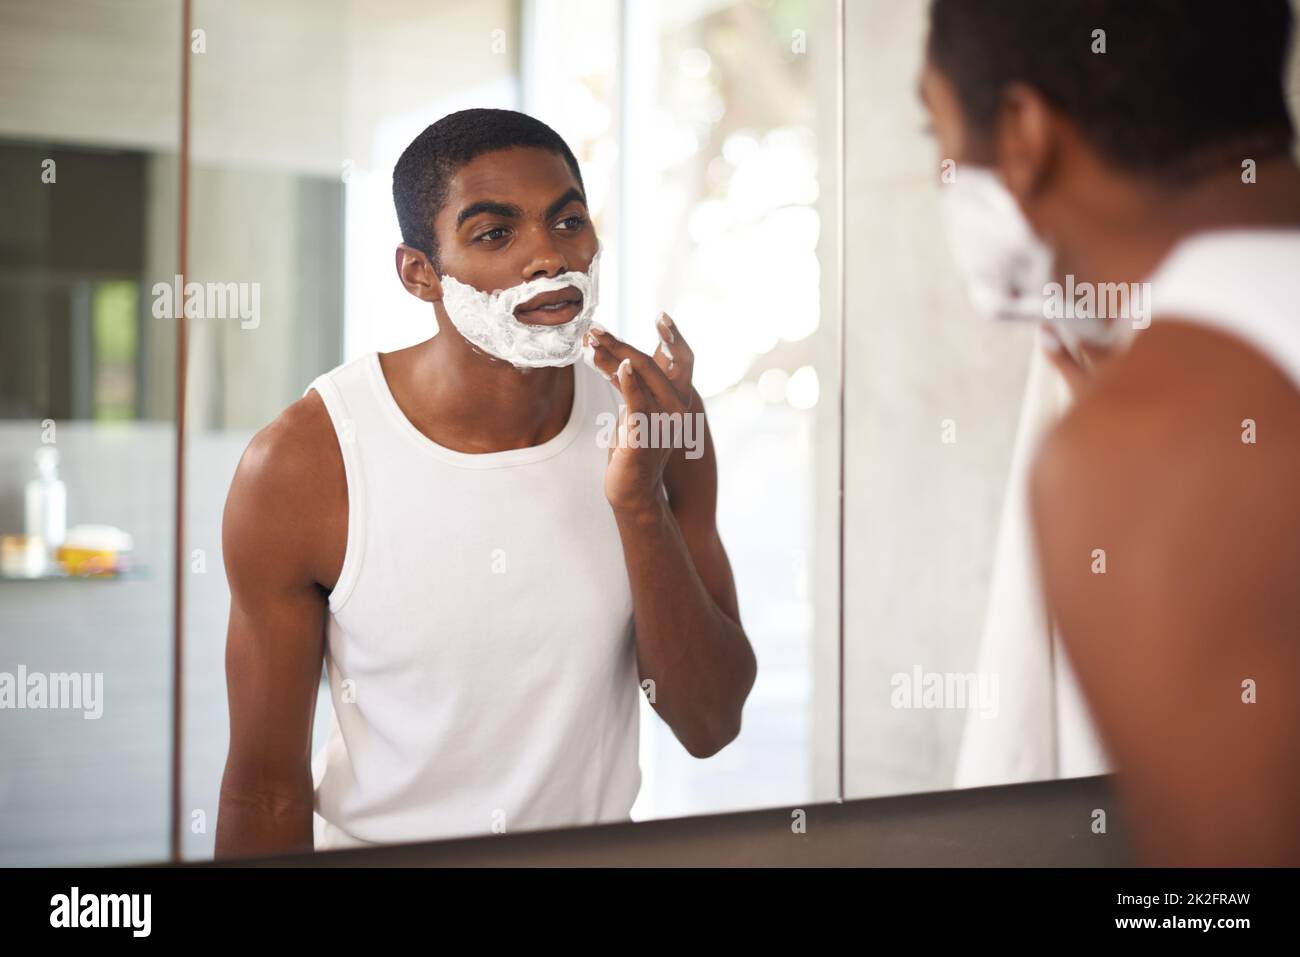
column 1076, row 371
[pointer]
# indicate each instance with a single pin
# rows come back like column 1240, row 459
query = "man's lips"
column 550, row 308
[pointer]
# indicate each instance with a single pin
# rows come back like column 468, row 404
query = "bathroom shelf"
column 135, row 573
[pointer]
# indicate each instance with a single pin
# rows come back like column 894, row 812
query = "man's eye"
column 492, row 235
column 572, row 222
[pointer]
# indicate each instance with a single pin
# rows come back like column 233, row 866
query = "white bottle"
column 47, row 502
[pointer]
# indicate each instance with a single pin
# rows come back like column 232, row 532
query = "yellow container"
column 94, row 550
column 87, row 561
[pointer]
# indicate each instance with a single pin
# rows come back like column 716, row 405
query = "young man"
column 488, row 578
column 1122, row 142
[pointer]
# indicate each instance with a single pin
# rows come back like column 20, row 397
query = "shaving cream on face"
column 488, row 319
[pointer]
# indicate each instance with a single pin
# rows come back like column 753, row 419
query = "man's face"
column 946, row 119
column 513, row 215
column 1025, row 150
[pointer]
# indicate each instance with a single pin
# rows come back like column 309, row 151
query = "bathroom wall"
column 920, row 515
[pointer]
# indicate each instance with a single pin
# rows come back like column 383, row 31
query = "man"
column 1121, row 142
column 488, row 580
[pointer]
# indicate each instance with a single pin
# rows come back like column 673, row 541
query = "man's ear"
column 417, row 274
column 1026, row 141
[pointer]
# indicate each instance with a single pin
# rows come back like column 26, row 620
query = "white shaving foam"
column 488, row 319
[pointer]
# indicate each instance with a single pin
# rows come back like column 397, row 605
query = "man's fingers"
column 663, row 358
column 651, row 374
column 1093, row 354
column 681, row 357
column 635, row 395
column 1060, row 357
column 602, row 359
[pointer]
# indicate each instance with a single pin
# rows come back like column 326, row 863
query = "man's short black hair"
column 426, row 166
column 1181, row 84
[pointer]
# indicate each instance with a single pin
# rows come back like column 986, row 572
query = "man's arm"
column 689, row 638
column 1187, row 645
column 280, row 538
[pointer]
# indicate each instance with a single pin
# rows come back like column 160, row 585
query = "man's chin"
column 556, row 363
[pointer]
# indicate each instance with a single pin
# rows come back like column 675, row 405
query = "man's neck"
column 1128, row 227
column 468, row 401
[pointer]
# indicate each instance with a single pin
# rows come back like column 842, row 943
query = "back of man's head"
column 1181, row 87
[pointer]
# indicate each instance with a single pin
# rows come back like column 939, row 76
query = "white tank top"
column 1244, row 282
column 480, row 654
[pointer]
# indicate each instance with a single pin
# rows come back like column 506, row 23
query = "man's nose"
column 545, row 260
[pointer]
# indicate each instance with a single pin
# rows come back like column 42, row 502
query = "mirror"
column 953, row 677
column 705, row 151
column 89, row 147
column 706, row 132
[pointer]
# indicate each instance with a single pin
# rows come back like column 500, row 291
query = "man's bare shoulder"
column 1187, row 403
column 297, row 444
column 289, row 493
column 1168, row 540
column 1182, row 457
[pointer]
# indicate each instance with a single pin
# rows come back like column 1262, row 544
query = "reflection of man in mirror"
column 488, row 583
column 1146, row 149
